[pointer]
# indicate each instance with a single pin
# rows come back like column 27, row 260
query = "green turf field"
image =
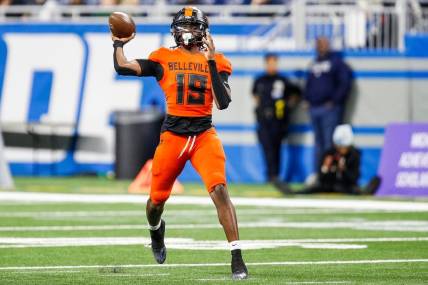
column 107, row 243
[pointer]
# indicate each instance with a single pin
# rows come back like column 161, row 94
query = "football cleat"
column 239, row 270
column 282, row 187
column 158, row 244
column 373, row 186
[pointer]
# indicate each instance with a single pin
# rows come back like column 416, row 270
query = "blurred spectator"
column 106, row 3
column 274, row 95
column 233, row 2
column 269, row 2
column 340, row 168
column 21, row 2
column 109, row 2
column 192, row 2
column 228, row 2
column 327, row 88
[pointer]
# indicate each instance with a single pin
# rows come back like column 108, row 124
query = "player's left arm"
column 219, row 81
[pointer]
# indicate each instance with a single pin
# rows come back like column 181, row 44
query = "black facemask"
column 189, row 35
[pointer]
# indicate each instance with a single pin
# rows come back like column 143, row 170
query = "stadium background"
column 57, row 79
column 58, row 93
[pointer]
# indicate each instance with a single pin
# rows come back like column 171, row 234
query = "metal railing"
column 356, row 27
column 350, row 24
column 142, row 13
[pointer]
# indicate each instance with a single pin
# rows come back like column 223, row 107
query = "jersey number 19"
column 196, row 87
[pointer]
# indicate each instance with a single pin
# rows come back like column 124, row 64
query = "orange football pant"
column 204, row 151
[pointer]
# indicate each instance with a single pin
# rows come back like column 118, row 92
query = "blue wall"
column 297, row 159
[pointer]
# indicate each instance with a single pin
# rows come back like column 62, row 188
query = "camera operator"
column 340, row 167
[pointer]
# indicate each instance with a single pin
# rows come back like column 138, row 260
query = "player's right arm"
column 136, row 67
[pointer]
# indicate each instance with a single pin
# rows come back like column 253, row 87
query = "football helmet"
column 189, row 27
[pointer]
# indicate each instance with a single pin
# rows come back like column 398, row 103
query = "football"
column 121, row 25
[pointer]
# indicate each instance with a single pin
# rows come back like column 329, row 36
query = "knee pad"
column 158, row 197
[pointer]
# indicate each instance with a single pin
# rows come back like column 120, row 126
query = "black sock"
column 236, row 252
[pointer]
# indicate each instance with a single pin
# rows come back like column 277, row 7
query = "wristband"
column 118, row 43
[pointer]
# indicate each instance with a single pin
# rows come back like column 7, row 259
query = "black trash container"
column 137, row 135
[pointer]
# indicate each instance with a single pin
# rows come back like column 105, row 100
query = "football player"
column 192, row 76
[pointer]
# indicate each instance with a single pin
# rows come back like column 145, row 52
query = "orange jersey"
column 186, row 81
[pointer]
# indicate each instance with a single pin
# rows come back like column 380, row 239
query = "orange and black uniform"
column 187, row 132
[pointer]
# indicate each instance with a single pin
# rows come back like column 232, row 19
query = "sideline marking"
column 184, row 265
column 189, row 200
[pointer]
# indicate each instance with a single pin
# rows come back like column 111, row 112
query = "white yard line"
column 185, row 213
column 318, row 282
column 51, row 271
column 388, row 225
column 172, row 243
column 135, row 275
column 185, row 265
column 188, row 200
column 191, row 244
column 139, row 240
column 214, row 279
column 118, row 274
column 72, row 214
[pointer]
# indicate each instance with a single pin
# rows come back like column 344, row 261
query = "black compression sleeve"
column 119, row 69
column 221, row 89
column 150, row 68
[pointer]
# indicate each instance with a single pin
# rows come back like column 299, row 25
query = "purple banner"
column 404, row 161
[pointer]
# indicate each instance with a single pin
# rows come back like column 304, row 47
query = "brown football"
column 121, row 24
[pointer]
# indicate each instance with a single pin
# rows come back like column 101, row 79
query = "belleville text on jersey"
column 188, row 66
